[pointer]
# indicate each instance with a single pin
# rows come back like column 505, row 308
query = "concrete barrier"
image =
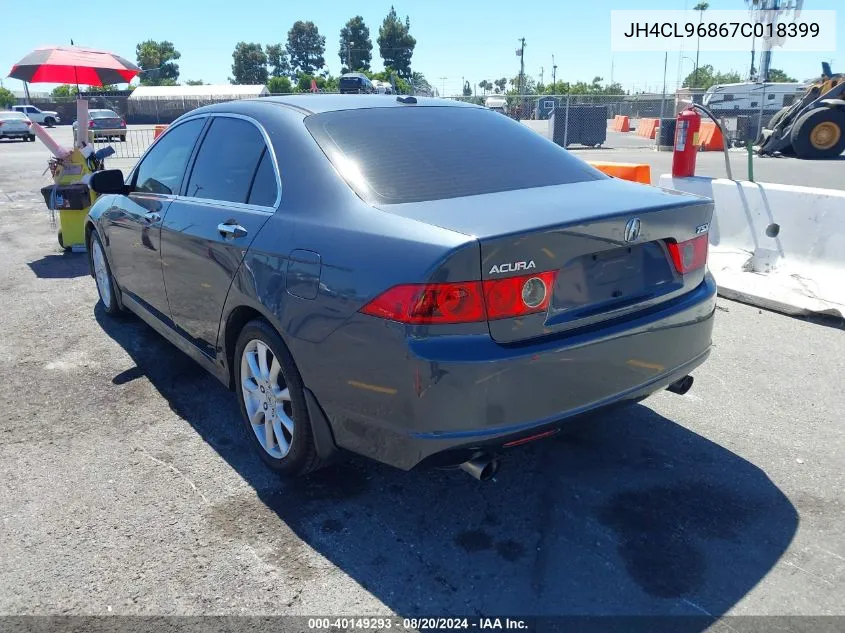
column 621, row 123
column 647, row 128
column 781, row 247
column 635, row 172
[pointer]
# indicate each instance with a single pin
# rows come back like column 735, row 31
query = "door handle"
column 152, row 217
column 230, row 229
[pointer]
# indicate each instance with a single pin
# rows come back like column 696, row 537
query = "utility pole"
column 521, row 64
column 443, row 86
column 541, row 75
column 554, row 72
column 349, row 57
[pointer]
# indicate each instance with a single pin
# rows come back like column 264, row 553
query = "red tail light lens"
column 28, row 123
column 90, row 124
column 518, row 296
column 464, row 302
column 690, row 255
column 430, row 303
column 122, row 123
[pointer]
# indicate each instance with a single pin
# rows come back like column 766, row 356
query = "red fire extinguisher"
column 686, row 143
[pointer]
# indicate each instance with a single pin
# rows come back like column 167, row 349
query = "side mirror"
column 108, row 181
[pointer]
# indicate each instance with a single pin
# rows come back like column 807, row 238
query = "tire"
column 819, row 133
column 31, row 138
column 49, row 121
column 106, row 286
column 300, row 457
column 777, row 117
column 62, row 243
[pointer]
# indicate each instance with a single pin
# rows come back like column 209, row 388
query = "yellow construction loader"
column 813, row 126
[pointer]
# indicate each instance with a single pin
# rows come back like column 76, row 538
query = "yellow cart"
column 70, row 198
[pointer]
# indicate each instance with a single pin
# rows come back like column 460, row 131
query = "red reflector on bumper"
column 531, row 438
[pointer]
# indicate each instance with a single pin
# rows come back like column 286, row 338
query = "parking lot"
column 129, row 488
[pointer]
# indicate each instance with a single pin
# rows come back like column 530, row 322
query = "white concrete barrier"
column 781, row 247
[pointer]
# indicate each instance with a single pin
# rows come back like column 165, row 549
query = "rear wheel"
column 49, row 121
column 272, row 401
column 819, row 133
column 777, row 117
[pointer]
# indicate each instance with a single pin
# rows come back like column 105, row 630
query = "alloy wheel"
column 267, row 398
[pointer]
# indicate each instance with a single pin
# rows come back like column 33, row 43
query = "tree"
column 277, row 59
column 500, row 84
column 419, row 84
column 485, row 86
column 7, row 98
column 306, row 47
column 467, row 89
column 249, row 64
column 706, row 77
column 195, row 82
column 778, row 76
column 395, row 43
column 64, row 91
column 279, row 85
column 355, row 45
column 157, row 59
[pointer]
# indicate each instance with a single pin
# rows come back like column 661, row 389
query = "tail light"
column 464, row 302
column 122, row 123
column 28, row 123
column 1, row 123
column 90, row 123
column 690, row 255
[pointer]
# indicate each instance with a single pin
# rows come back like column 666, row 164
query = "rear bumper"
column 16, row 134
column 439, row 399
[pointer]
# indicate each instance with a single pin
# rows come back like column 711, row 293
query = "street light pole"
column 701, row 7
column 554, row 72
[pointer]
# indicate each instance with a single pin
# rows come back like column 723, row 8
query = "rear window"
column 418, row 153
column 349, row 82
column 103, row 114
column 9, row 116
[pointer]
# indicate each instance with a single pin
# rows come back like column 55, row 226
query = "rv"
column 497, row 103
column 750, row 96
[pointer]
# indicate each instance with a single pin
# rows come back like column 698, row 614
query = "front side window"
column 226, row 162
column 163, row 167
column 32, row 110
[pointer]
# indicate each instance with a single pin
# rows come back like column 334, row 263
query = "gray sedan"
column 423, row 282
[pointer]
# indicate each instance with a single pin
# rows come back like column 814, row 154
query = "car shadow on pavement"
column 625, row 513
column 65, row 266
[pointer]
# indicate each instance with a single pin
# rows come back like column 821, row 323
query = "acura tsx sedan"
column 423, row 282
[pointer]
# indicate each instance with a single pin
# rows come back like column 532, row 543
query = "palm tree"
column 701, row 7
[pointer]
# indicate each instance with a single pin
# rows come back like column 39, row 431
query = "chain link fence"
column 571, row 120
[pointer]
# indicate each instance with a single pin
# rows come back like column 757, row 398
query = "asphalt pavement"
column 128, row 487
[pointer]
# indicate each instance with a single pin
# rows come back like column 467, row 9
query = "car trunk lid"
column 605, row 241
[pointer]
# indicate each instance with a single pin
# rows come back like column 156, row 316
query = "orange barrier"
column 159, row 129
column 710, row 137
column 635, row 172
column 621, row 123
column 648, row 128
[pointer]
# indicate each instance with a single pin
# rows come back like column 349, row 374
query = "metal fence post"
column 566, row 122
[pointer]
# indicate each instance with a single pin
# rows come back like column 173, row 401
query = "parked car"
column 355, row 83
column 14, row 125
column 106, row 124
column 432, row 307
column 36, row 115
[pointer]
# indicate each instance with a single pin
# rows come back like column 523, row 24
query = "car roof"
column 317, row 103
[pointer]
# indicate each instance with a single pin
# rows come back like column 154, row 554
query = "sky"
column 456, row 39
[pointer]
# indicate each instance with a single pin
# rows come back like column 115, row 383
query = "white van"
column 750, row 95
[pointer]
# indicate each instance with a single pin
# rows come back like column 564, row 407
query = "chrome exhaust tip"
column 681, row 386
column 482, row 468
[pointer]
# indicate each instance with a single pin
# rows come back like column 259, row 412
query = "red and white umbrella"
column 74, row 65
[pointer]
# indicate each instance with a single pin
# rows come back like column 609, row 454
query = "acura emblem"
column 632, row 230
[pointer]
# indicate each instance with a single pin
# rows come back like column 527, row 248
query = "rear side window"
column 227, row 160
column 264, row 188
column 417, row 153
